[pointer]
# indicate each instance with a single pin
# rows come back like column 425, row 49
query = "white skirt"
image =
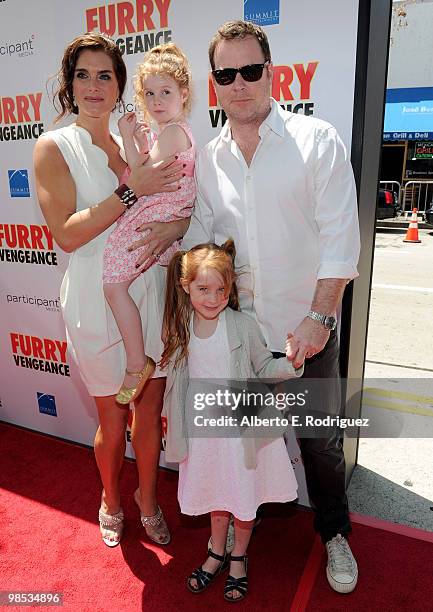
column 214, row 477
column 94, row 340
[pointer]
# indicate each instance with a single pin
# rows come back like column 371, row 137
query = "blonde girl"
column 163, row 95
column 206, row 337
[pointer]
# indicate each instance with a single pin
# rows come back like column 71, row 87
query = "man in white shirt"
column 282, row 187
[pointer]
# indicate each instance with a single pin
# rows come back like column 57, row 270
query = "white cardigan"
column 249, row 358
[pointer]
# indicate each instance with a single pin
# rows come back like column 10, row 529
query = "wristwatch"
column 126, row 194
column 327, row 321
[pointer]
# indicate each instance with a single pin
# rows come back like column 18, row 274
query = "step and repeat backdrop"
column 313, row 47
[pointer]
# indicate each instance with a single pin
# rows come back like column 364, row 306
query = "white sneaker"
column 341, row 570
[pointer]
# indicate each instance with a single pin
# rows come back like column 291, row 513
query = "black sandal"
column 238, row 584
column 204, row 578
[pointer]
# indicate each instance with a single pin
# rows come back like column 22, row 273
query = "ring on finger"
column 156, row 255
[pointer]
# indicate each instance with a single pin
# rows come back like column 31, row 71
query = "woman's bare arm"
column 57, row 195
column 57, row 199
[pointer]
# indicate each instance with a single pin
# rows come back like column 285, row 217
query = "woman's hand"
column 163, row 176
column 158, row 237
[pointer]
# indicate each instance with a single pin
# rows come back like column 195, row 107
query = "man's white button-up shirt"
column 292, row 215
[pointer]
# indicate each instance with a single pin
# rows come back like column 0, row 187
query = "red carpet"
column 49, row 541
column 395, row 574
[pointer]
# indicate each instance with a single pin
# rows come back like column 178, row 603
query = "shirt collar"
column 274, row 121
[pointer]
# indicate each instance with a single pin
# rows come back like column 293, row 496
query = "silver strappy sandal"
column 112, row 523
column 155, row 526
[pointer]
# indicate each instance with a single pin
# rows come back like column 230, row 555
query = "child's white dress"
column 214, row 476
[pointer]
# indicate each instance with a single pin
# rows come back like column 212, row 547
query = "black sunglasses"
column 250, row 73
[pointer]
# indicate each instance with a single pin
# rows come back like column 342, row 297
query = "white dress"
column 214, row 476
column 92, row 334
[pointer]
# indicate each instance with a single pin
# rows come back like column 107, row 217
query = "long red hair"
column 178, row 309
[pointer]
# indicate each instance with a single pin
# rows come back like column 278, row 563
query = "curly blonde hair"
column 164, row 59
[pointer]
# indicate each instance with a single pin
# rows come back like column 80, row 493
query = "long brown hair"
column 91, row 41
column 178, row 309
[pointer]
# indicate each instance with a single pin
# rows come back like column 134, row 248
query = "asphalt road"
column 401, row 308
column 394, row 476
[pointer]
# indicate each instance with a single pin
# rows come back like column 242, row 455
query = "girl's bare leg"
column 146, row 441
column 219, row 527
column 243, row 531
column 128, row 321
column 110, row 449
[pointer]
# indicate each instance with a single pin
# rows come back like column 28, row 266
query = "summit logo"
column 19, row 183
column 262, row 12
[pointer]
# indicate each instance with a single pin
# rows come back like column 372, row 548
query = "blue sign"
column 262, row 12
column 47, row 404
column 409, row 114
column 408, row 136
column 19, row 183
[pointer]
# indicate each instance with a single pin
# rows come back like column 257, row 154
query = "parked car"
column 387, row 204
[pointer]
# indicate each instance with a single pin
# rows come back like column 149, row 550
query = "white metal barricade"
column 417, row 194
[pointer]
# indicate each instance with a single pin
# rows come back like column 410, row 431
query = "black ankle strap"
column 241, row 558
column 211, row 553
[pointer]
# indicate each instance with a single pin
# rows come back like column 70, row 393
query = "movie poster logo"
column 34, row 301
column 27, row 244
column 17, row 48
column 135, row 26
column 46, row 404
column 20, row 117
column 262, row 12
column 291, row 88
column 19, row 183
column 40, row 354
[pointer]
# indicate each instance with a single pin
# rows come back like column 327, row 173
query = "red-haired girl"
column 206, row 337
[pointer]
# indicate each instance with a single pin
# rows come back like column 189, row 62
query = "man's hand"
column 160, row 177
column 157, row 238
column 308, row 339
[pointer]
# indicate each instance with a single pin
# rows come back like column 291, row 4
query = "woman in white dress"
column 77, row 170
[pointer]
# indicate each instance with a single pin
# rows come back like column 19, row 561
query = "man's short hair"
column 232, row 30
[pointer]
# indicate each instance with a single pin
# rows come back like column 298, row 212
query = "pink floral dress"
column 119, row 263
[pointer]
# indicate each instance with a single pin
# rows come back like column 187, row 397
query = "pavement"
column 394, row 476
column 402, row 221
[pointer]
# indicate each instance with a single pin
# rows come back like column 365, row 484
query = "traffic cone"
column 412, row 230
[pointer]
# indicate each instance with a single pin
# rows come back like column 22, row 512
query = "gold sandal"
column 155, row 526
column 127, row 395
